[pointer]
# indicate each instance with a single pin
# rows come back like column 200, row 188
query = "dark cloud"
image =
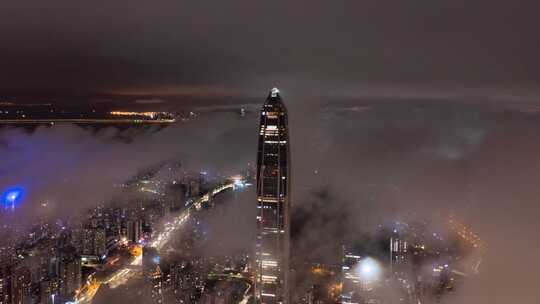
column 66, row 48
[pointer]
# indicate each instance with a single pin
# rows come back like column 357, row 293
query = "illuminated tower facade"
column 272, row 244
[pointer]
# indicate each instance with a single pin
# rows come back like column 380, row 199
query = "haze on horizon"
column 184, row 50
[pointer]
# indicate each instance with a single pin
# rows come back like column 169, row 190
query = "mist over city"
column 367, row 152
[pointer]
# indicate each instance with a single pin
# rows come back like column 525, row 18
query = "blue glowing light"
column 12, row 197
column 238, row 183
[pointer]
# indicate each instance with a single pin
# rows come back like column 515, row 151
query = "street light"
column 368, row 269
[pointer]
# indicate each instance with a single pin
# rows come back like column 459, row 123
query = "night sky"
column 236, row 48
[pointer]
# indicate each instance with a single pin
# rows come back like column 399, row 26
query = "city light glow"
column 12, row 197
column 368, row 269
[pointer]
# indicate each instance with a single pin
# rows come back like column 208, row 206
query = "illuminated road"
column 88, row 290
column 123, row 275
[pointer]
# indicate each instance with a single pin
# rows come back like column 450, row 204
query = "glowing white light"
column 275, row 91
column 368, row 269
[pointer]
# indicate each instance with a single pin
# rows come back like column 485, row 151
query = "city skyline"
column 335, row 203
column 281, row 152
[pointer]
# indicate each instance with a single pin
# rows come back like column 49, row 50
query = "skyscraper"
column 21, row 292
column 272, row 244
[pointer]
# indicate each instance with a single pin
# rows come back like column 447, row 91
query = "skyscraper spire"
column 272, row 244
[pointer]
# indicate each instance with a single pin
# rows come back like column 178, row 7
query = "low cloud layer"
column 73, row 167
column 387, row 161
